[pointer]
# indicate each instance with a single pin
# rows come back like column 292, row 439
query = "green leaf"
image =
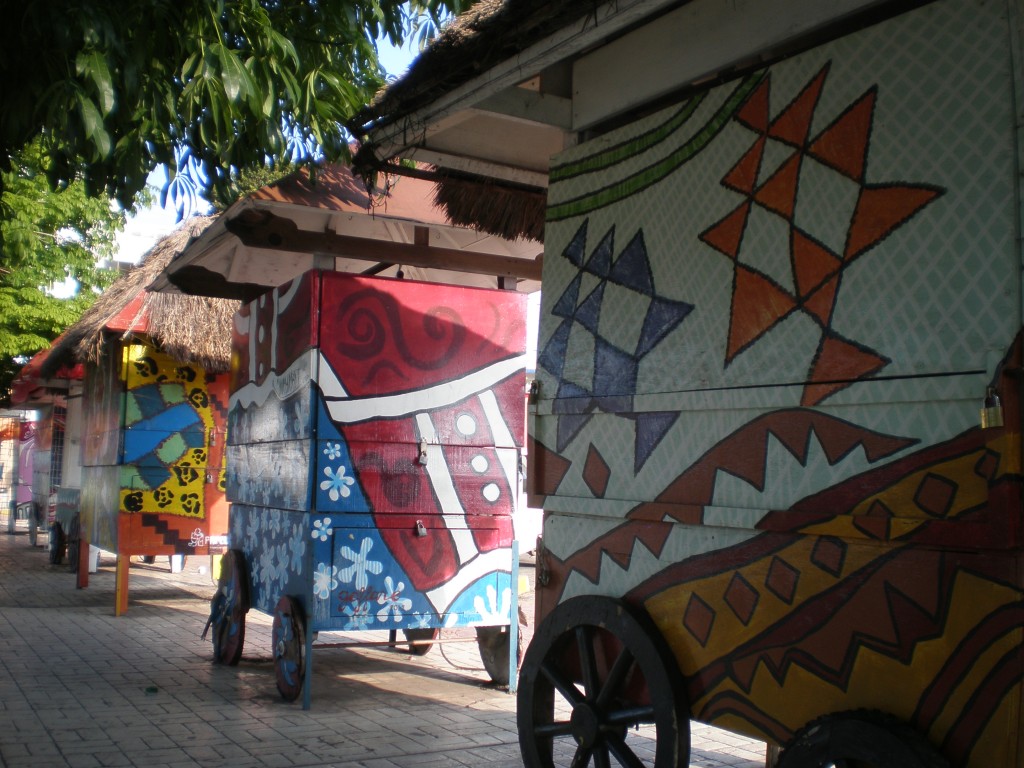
column 93, row 66
column 93, row 124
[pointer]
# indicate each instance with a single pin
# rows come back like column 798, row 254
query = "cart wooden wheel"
column 57, row 544
column 289, row 647
column 33, row 528
column 860, row 739
column 419, row 636
column 595, row 672
column 228, row 608
column 494, row 644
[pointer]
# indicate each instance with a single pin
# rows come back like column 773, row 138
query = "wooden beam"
column 393, row 135
column 690, row 44
column 281, row 234
column 529, row 107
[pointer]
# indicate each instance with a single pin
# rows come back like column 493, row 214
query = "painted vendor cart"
column 777, row 428
column 778, row 431
column 375, row 429
column 148, row 480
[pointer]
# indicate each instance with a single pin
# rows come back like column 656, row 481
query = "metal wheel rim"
column 289, row 646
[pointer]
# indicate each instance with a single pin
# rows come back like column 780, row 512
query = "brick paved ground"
column 80, row 687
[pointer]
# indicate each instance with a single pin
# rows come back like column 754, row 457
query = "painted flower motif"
column 492, row 613
column 298, row 549
column 358, row 614
column 361, row 565
column 321, row 529
column 272, row 572
column 392, row 600
column 420, row 621
column 337, row 484
column 274, row 521
column 332, row 451
column 324, row 580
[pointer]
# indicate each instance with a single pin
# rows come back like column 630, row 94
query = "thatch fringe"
column 190, row 329
column 491, row 207
column 490, row 32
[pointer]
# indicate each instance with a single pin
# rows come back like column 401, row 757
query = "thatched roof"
column 491, row 32
column 496, row 209
column 190, row 329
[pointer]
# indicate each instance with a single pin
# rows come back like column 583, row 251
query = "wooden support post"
column 83, row 563
column 121, row 585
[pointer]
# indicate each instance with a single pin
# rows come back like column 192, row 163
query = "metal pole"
column 513, row 627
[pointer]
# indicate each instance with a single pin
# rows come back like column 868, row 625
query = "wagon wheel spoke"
column 626, row 756
column 564, row 686
column 553, row 730
column 624, row 662
column 601, row 759
column 581, row 758
column 628, row 716
column 588, row 661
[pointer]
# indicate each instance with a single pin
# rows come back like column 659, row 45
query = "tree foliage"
column 113, row 89
column 49, row 236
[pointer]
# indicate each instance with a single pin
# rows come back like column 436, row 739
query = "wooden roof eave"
column 495, row 91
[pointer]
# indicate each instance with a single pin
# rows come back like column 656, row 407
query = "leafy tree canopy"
column 113, row 89
column 49, row 236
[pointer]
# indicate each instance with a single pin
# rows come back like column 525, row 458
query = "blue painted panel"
column 280, row 408
column 277, row 549
column 270, row 474
column 357, row 584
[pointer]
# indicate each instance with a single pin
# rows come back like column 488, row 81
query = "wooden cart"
column 777, row 427
column 374, row 439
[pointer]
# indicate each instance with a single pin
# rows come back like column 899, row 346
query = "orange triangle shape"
column 821, row 302
column 726, row 235
column 743, row 175
column 794, row 122
column 757, row 305
column 778, row 193
column 882, row 209
column 844, row 144
column 754, row 112
column 837, row 365
column 812, row 263
column 815, row 393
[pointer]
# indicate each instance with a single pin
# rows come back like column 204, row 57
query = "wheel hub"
column 586, row 725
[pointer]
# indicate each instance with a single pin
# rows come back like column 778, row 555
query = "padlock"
column 422, row 459
column 421, row 529
column 992, row 413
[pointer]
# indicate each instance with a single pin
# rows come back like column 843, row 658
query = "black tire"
column 33, row 528
column 417, row 638
column 57, row 544
column 289, row 649
column 860, row 739
column 228, row 607
column 494, row 644
column 611, row 666
column 73, row 545
column 74, row 542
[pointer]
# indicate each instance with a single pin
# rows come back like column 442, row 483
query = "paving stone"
column 83, row 688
